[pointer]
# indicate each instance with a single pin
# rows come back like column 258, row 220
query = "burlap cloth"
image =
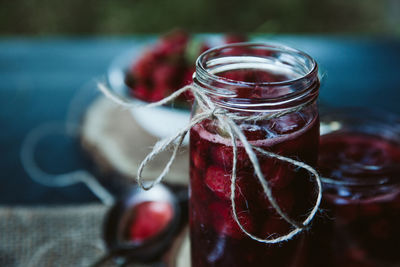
column 51, row 236
column 64, row 236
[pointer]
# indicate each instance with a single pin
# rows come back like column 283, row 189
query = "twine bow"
column 227, row 120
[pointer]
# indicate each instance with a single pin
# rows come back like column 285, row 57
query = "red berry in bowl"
column 166, row 67
column 157, row 95
column 144, row 67
column 165, row 75
column 141, row 92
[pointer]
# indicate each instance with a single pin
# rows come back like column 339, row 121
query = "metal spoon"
column 116, row 221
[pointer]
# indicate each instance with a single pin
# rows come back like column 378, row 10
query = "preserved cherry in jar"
column 253, row 79
column 360, row 162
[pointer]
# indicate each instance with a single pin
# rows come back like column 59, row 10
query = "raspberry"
column 144, row 67
column 165, row 76
column 157, row 94
column 165, row 66
column 218, row 180
column 141, row 92
column 224, row 223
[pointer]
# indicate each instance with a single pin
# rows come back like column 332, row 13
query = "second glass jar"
column 250, row 79
column 360, row 161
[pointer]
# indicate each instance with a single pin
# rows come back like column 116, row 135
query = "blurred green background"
column 122, row 17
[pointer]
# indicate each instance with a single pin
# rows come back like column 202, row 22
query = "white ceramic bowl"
column 159, row 121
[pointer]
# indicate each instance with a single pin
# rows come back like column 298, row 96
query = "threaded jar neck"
column 257, row 77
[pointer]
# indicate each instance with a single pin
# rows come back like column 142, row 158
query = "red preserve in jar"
column 250, row 79
column 360, row 160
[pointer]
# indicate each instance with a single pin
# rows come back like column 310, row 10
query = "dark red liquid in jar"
column 148, row 219
column 363, row 209
column 216, row 239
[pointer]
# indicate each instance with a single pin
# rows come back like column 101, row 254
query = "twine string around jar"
column 227, row 121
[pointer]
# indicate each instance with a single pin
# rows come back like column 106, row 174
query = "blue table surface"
column 39, row 77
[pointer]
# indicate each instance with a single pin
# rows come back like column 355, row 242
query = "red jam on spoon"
column 149, row 219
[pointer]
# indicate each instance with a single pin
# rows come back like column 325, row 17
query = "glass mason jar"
column 249, row 79
column 360, row 156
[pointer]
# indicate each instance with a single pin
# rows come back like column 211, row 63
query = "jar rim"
column 272, row 46
column 303, row 88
